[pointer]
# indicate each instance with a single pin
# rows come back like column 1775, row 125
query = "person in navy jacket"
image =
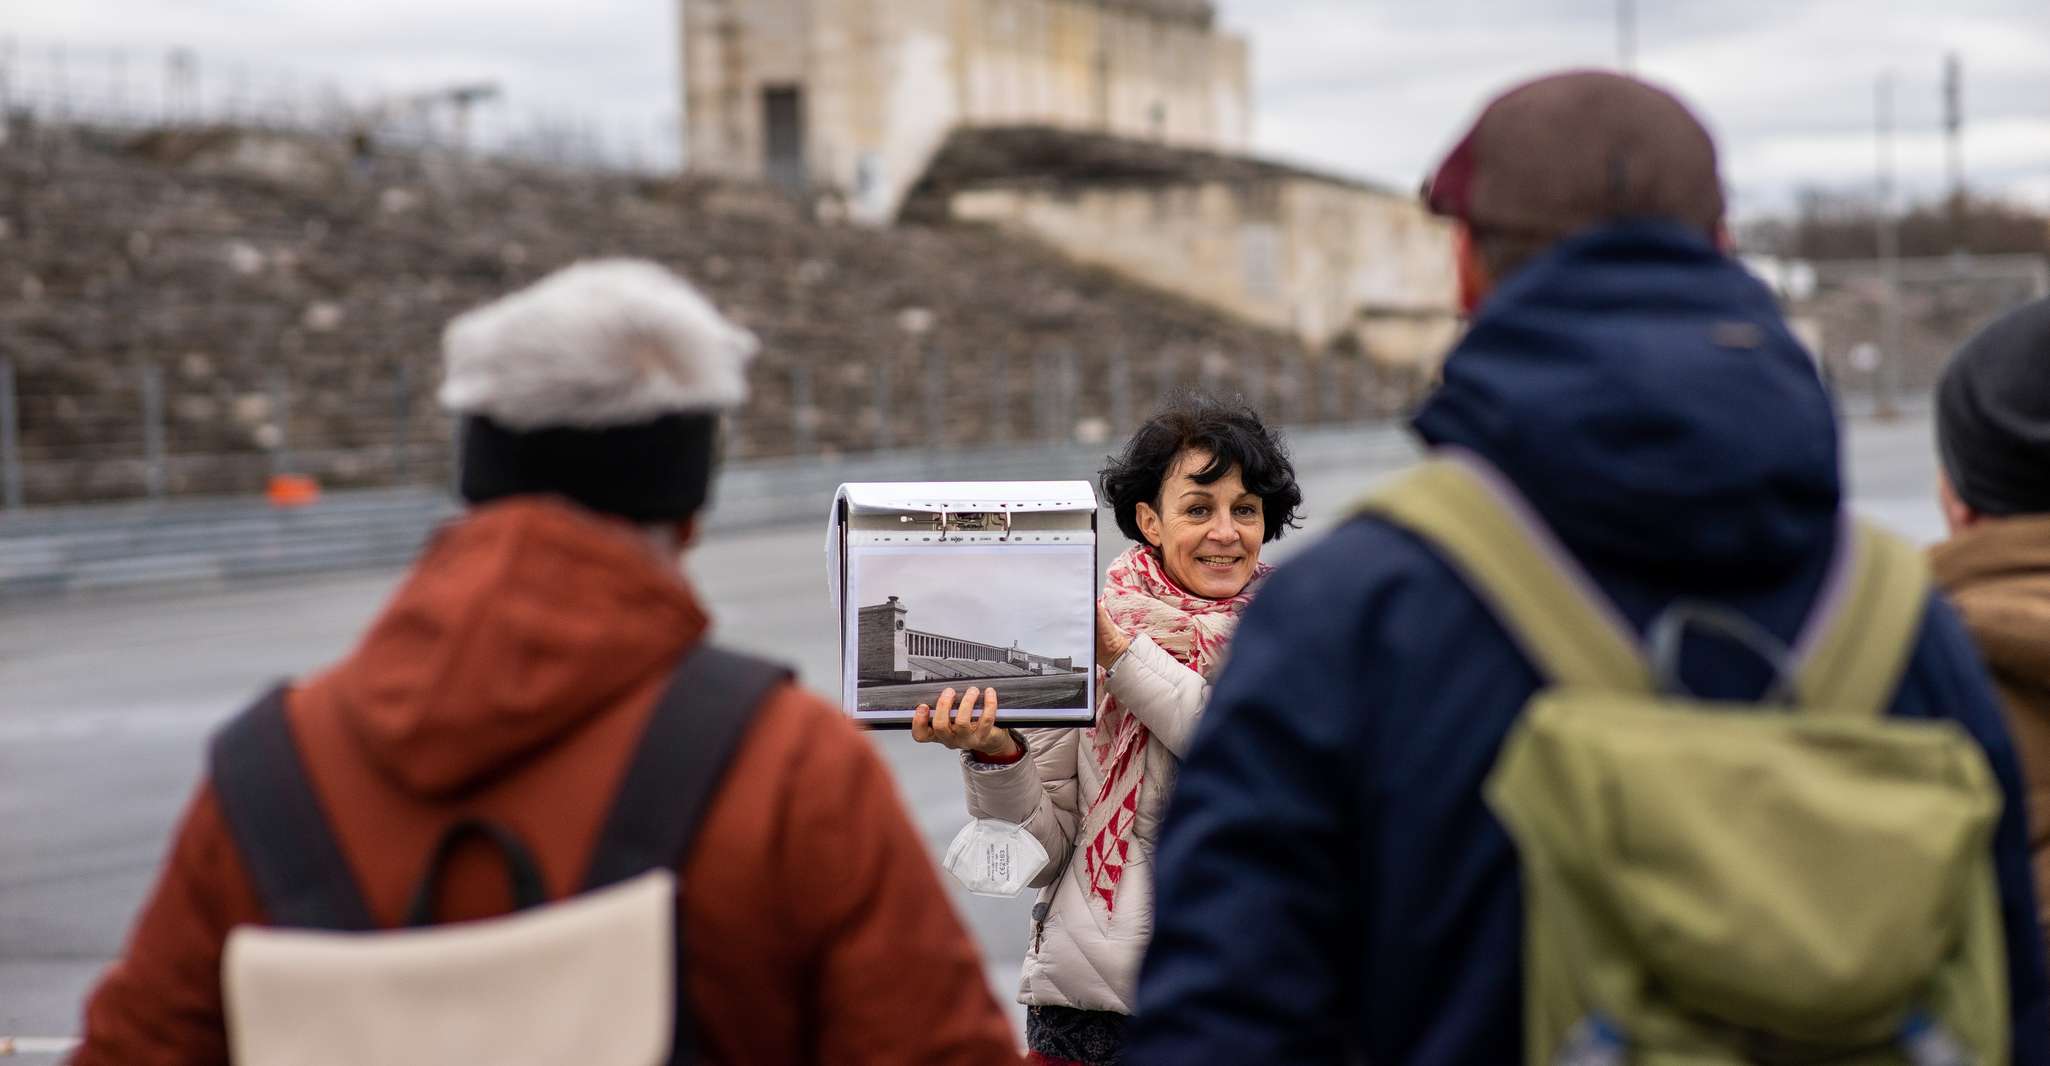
column 1332, row 886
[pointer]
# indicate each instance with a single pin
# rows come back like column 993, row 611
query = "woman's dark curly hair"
column 1233, row 435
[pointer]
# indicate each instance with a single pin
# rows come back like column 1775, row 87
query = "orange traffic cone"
column 293, row 490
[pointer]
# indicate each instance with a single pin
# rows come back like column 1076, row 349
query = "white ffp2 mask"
column 993, row 858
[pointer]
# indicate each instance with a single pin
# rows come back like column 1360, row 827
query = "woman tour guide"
column 1199, row 489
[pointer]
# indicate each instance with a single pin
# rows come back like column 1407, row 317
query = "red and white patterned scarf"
column 1140, row 598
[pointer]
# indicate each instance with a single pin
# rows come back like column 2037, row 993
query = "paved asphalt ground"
column 106, row 704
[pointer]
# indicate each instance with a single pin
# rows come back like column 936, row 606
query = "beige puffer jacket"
column 1075, row 959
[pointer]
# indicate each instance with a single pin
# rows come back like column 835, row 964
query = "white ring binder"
column 963, row 583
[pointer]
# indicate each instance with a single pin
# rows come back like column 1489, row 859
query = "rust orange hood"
column 520, row 622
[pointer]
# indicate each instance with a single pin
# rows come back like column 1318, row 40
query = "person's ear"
column 1957, row 514
column 1150, row 524
column 687, row 533
column 1474, row 282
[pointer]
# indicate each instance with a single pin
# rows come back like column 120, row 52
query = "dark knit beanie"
column 1993, row 416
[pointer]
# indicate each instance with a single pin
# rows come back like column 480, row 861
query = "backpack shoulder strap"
column 695, row 728
column 691, row 736
column 1473, row 517
column 1863, row 630
column 277, row 824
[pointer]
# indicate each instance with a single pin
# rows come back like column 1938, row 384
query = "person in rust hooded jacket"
column 511, row 676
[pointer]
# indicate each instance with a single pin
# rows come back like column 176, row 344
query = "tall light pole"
column 1626, row 34
column 1954, row 136
column 1102, row 62
column 1888, row 235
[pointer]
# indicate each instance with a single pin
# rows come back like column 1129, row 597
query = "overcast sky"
column 1375, row 88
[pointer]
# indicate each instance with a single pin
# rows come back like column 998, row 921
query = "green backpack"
column 1802, row 880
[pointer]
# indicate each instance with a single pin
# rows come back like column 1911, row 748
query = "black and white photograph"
column 927, row 618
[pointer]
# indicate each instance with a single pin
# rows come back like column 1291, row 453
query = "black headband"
column 647, row 472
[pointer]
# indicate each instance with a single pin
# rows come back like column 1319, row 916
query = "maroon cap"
column 1570, row 151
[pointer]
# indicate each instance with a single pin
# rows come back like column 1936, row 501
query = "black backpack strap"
column 522, row 873
column 696, row 726
column 277, row 824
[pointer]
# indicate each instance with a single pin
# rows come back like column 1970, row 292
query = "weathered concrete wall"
column 1198, row 240
column 887, row 78
column 1322, row 259
column 1372, row 264
column 881, row 84
column 1416, row 343
column 884, row 81
column 732, row 51
column 1122, row 69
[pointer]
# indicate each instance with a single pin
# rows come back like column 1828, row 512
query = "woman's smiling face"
column 1208, row 536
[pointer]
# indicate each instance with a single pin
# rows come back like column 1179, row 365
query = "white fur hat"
column 604, row 343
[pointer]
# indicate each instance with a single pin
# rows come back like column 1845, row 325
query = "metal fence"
column 1886, row 330
column 57, row 82
column 169, row 424
column 164, row 429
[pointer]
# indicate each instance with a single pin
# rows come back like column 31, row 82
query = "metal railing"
column 52, row 81
column 1885, row 331
column 155, row 431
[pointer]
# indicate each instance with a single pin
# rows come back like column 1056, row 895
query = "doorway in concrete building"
column 783, row 118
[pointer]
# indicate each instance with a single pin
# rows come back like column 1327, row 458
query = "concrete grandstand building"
column 859, row 94
column 893, row 653
column 1116, row 132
